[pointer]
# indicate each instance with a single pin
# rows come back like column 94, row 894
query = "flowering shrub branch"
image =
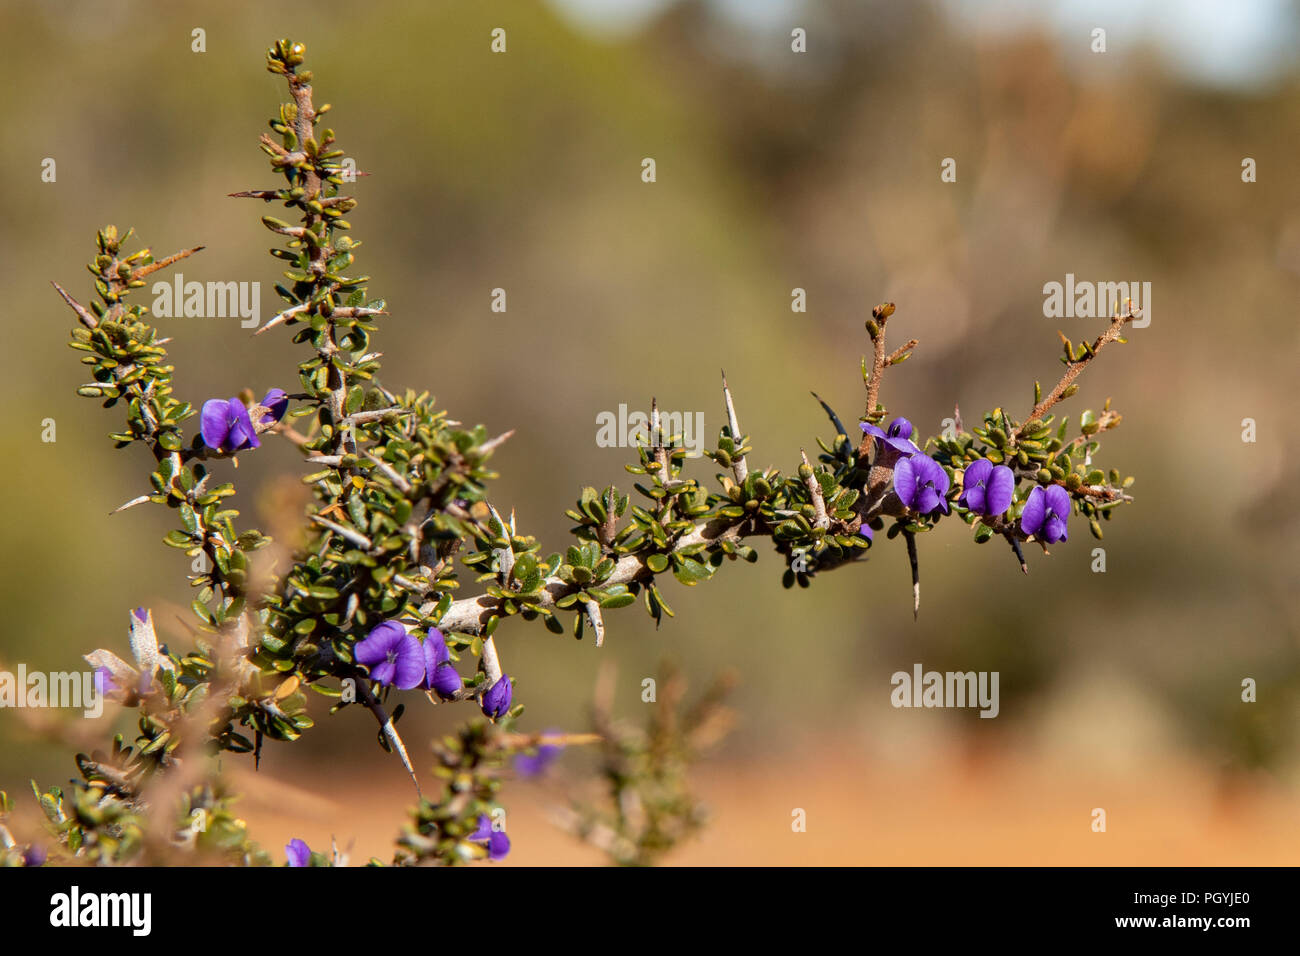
column 649, row 808
column 368, row 611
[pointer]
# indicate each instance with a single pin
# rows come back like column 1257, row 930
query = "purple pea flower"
column 393, row 656
column 534, row 765
column 866, row 532
column 498, row 844
column 276, row 403
column 226, row 426
column 299, row 853
column 497, row 699
column 987, row 487
column 439, row 675
column 921, row 483
column 1046, row 512
column 897, row 437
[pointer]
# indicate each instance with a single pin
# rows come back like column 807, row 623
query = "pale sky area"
column 1232, row 43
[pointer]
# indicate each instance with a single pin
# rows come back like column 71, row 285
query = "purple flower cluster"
column 395, row 657
column 298, row 853
column 988, row 490
column 919, row 481
column 226, row 426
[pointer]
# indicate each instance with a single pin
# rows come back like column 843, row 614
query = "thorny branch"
column 1073, row 367
column 332, row 442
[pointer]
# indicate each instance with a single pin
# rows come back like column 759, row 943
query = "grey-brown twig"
column 879, row 362
column 820, row 518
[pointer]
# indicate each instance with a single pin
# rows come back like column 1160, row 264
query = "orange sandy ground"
column 976, row 810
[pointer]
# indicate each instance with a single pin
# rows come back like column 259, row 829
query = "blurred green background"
column 775, row 171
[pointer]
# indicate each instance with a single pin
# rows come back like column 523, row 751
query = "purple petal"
column 938, row 475
column 497, row 700
column 445, row 681
column 977, row 472
column 277, row 400
column 1058, row 499
column 973, row 496
column 900, row 428
column 529, row 765
column 924, row 481
column 390, row 632
column 141, row 615
column 875, row 430
column 975, row 487
column 998, row 490
column 381, row 639
column 435, row 647
column 905, row 480
column 498, row 845
column 242, row 433
column 215, row 423
column 534, row 765
column 923, row 466
column 384, row 671
column 1058, row 514
column 1055, row 529
column 866, row 531
column 439, row 675
column 902, row 445
column 1031, row 518
column 431, row 662
column 104, row 682
column 409, row 670
column 299, row 853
